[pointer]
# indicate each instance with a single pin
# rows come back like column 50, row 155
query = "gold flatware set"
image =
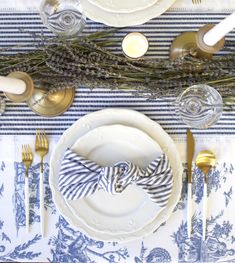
column 205, row 160
column 41, row 148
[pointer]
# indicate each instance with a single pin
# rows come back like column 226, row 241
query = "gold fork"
column 27, row 158
column 196, row 1
column 41, row 147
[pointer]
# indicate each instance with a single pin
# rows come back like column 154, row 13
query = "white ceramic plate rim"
column 125, row 19
column 129, row 118
column 110, row 7
column 143, row 150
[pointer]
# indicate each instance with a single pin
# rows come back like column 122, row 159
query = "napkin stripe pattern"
column 81, row 178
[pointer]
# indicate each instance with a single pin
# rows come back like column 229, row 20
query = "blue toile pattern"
column 216, row 179
column 73, row 246
column 156, row 255
column 65, row 244
column 21, row 251
column 34, row 194
column 217, row 246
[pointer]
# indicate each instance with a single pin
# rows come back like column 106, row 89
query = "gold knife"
column 190, row 153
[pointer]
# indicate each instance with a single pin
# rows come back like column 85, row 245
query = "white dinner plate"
column 110, row 117
column 121, row 213
column 122, row 6
column 125, row 19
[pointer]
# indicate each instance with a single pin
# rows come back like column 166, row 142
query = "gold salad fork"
column 41, row 147
column 196, row 1
column 27, row 159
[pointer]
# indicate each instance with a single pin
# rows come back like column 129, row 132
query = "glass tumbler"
column 199, row 106
column 63, row 17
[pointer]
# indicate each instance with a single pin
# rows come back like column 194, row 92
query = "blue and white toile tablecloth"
column 65, row 244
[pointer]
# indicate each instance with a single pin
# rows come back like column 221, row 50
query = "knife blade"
column 190, row 154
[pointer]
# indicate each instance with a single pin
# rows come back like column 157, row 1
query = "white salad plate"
column 121, row 213
column 122, row 6
column 125, row 19
column 112, row 117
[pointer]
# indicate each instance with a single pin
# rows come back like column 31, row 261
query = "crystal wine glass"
column 63, row 17
column 199, row 106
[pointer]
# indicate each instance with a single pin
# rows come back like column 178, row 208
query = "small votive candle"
column 135, row 45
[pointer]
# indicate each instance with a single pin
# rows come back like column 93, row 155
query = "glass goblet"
column 63, row 17
column 199, row 106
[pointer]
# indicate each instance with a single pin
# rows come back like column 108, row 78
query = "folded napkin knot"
column 115, row 179
column 80, row 177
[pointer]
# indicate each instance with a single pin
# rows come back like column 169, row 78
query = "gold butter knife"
column 190, row 154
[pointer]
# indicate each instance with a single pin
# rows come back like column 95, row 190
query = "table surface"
column 65, row 244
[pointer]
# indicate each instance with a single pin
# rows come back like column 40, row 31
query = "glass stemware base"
column 199, row 106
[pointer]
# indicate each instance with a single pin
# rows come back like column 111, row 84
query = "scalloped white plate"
column 125, row 19
column 121, row 213
column 110, row 117
column 122, row 6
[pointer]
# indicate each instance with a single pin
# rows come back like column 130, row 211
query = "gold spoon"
column 205, row 160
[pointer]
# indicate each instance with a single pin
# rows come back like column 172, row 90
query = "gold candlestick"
column 52, row 104
column 192, row 43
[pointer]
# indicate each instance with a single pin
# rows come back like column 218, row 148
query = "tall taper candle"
column 12, row 85
column 219, row 30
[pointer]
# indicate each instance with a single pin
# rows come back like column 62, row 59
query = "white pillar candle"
column 12, row 85
column 220, row 30
column 135, row 45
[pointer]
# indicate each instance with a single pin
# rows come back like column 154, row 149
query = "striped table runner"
column 20, row 28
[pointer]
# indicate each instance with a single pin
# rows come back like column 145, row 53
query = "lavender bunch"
column 87, row 62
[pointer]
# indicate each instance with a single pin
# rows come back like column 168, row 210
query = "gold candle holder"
column 192, row 43
column 52, row 104
column 43, row 104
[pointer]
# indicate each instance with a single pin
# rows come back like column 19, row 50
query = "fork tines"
column 196, row 1
column 41, row 139
column 27, row 153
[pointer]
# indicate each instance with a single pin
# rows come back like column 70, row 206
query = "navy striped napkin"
column 80, row 177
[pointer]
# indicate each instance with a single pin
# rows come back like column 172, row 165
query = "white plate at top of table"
column 125, row 19
column 120, row 213
column 122, row 6
column 111, row 117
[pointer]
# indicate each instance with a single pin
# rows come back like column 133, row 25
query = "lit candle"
column 12, row 85
column 135, row 45
column 220, row 30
